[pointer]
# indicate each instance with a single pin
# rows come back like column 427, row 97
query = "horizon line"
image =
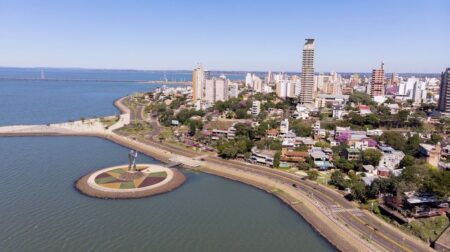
column 188, row 70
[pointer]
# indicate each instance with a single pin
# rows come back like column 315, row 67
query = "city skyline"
column 261, row 37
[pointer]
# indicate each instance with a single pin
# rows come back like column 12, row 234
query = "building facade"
column 307, row 79
column 444, row 93
column 377, row 83
column 199, row 76
column 216, row 89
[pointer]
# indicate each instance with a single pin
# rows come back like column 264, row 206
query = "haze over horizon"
column 351, row 36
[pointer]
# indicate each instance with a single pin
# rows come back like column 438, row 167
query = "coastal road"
column 362, row 222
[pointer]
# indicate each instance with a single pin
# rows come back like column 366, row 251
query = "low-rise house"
column 308, row 141
column 364, row 110
column 323, row 99
column 332, row 142
column 391, row 158
column 425, row 204
column 293, row 156
column 288, row 143
column 365, row 143
column 374, row 132
column 273, row 112
column 272, row 133
column 394, row 108
column 264, row 157
column 383, row 171
column 218, row 134
column 338, row 112
column 351, row 154
column 229, row 133
column 301, row 112
column 369, row 169
column 321, row 160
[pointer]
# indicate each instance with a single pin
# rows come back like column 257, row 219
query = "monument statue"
column 132, row 155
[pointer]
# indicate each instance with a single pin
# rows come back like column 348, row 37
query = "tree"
column 226, row 149
column 276, row 159
column 242, row 114
column 408, row 160
column 378, row 186
column 397, row 141
column 312, row 174
column 359, row 191
column 415, row 121
column 301, row 128
column 344, row 164
column 439, row 183
column 245, row 130
column 412, row 145
column 401, row 118
column 303, row 166
column 301, row 147
column 435, row 138
column 322, row 144
column 361, row 98
column 372, row 119
column 371, row 157
column 337, row 179
column 243, row 145
column 357, row 119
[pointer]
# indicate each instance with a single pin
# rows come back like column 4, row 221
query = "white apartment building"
column 216, row 89
column 256, row 108
column 284, row 127
column 233, row 90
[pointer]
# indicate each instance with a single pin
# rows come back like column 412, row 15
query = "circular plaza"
column 119, row 182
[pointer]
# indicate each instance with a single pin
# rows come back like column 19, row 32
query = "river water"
column 41, row 211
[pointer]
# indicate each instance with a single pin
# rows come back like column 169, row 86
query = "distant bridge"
column 164, row 82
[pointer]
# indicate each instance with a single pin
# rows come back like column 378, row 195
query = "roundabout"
column 120, row 182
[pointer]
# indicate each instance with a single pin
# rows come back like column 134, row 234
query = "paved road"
column 367, row 225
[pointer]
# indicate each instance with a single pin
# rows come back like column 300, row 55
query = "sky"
column 351, row 35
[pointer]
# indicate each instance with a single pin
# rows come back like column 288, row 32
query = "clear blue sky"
column 409, row 36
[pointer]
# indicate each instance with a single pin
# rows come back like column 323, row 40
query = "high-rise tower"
column 307, row 80
column 377, row 84
column 198, row 82
column 444, row 92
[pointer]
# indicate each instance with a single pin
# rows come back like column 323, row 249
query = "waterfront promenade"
column 339, row 221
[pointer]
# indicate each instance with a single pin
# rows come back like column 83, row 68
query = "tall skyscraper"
column 377, row 84
column 307, row 80
column 444, row 92
column 198, row 82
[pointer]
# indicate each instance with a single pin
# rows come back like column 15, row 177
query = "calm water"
column 41, row 211
column 40, row 102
